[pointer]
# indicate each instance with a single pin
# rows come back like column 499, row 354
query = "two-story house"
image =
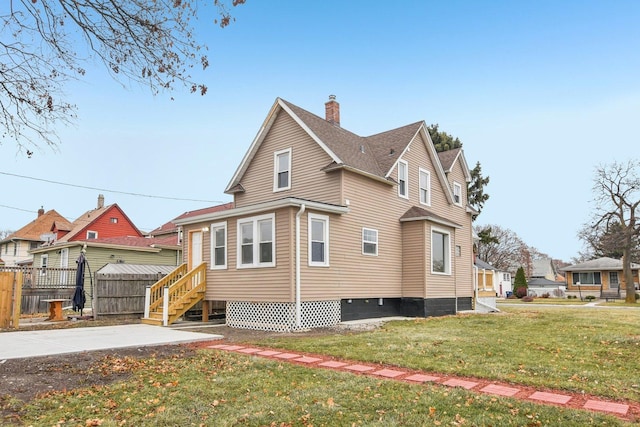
column 14, row 249
column 108, row 236
column 329, row 226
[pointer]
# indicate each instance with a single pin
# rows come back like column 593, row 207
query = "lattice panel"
column 280, row 316
column 319, row 314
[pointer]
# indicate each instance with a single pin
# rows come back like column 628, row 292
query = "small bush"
column 512, row 296
column 521, row 292
column 590, row 298
column 571, row 297
column 637, row 297
column 527, row 298
column 546, row 295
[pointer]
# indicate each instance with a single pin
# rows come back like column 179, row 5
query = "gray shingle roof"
column 603, row 263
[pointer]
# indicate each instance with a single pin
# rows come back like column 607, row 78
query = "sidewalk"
column 34, row 343
column 621, row 410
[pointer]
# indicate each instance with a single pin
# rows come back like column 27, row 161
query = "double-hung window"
column 219, row 246
column 369, row 241
column 403, row 179
column 282, row 170
column 440, row 253
column 457, row 194
column 425, row 187
column 256, row 242
column 318, row 240
column 92, row 235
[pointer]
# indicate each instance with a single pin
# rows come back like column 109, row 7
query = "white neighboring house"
column 500, row 281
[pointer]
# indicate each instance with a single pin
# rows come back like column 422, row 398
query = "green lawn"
column 587, row 350
column 223, row 389
column 553, row 301
column 579, row 349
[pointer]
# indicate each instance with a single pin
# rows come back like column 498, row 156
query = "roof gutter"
column 262, row 207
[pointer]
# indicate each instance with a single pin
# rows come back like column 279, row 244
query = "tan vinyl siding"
column 308, row 181
column 440, row 285
column 414, row 259
column 353, row 274
column 252, row 284
column 401, row 268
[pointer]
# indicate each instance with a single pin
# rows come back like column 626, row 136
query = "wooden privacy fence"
column 122, row 294
column 10, row 291
column 36, row 284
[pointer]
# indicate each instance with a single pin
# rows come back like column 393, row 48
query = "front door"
column 614, row 283
column 195, row 251
column 64, row 264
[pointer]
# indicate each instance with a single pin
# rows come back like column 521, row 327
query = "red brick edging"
column 626, row 411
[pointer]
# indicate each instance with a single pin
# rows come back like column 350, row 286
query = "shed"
column 120, row 288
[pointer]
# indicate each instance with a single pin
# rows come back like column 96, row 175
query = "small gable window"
column 282, row 170
column 403, row 176
column 92, row 235
column 425, row 187
column 457, row 194
column 113, row 220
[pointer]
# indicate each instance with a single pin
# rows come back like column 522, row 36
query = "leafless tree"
column 45, row 43
column 502, row 248
column 616, row 191
column 5, row 233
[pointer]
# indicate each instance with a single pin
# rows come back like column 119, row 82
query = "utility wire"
column 18, row 209
column 105, row 190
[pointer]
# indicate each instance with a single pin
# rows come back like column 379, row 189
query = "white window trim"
column 447, row 267
column 275, row 170
column 370, row 241
column 92, row 238
column 457, row 185
column 406, row 179
column 428, row 174
column 325, row 220
column 214, row 227
column 256, row 242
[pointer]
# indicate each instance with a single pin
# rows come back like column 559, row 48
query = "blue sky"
column 540, row 93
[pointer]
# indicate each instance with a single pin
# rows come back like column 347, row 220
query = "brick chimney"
column 40, row 211
column 332, row 110
column 100, row 201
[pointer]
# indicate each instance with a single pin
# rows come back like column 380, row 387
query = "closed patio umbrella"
column 78, row 297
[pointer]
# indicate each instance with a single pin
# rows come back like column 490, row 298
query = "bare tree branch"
column 45, row 42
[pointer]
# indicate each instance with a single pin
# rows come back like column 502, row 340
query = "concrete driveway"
column 22, row 344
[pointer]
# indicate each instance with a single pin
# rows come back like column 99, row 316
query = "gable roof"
column 39, row 226
column 90, row 217
column 542, row 267
column 375, row 156
column 449, row 158
column 484, row 265
column 604, row 263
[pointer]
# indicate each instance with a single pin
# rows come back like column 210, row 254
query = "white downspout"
column 298, row 305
